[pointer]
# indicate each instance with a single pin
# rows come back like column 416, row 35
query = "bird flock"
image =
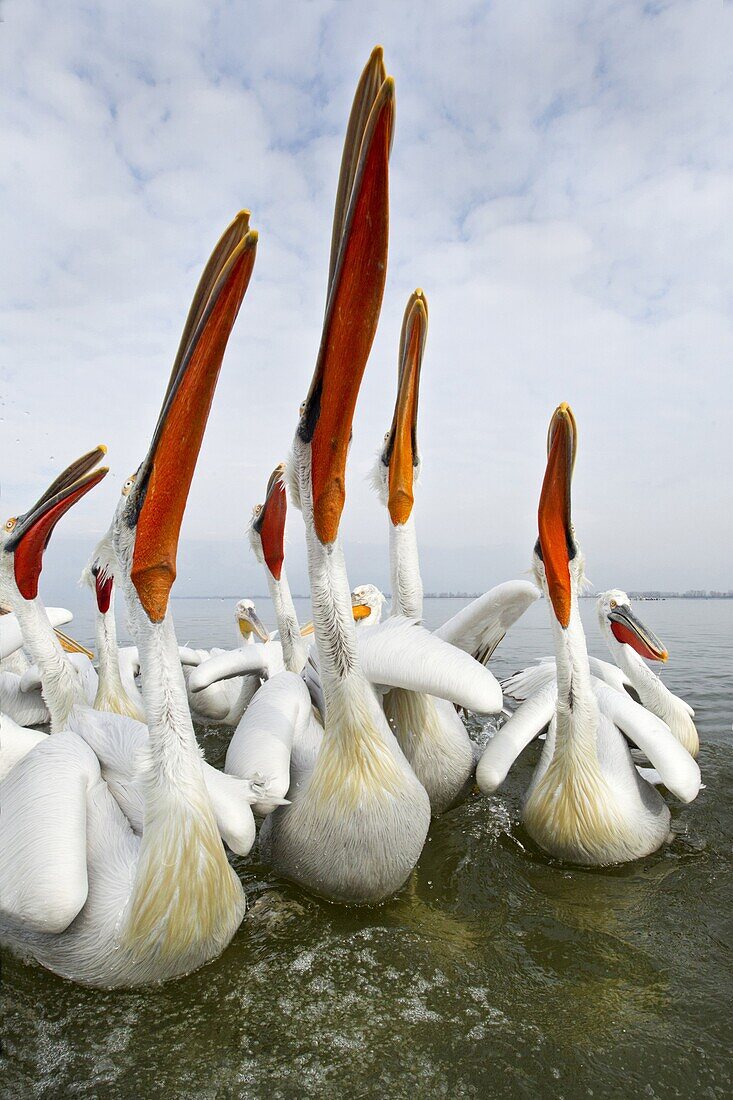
column 347, row 736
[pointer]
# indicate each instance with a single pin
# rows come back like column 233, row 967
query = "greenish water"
column 494, row 973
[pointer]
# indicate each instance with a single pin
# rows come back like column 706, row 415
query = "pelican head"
column 267, row 529
column 23, row 539
column 559, row 564
column 398, row 466
column 148, row 519
column 366, row 604
column 249, row 622
column 99, row 572
column 618, row 621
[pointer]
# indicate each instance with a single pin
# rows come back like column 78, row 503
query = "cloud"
column 560, row 188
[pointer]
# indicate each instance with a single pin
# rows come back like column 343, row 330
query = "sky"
column 561, row 188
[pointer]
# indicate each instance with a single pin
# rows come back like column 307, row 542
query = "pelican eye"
column 613, row 604
column 10, row 523
column 128, row 485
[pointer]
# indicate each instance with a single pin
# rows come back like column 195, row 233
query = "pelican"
column 586, row 803
column 115, row 694
column 429, row 730
column 366, row 604
column 79, row 890
column 357, row 824
column 629, row 640
column 74, row 679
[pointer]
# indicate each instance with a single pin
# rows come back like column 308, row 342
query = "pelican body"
column 586, row 803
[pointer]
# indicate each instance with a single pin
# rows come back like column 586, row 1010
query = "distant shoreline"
column 692, row 595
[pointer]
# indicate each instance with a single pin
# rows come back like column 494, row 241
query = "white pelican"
column 25, row 538
column 356, row 826
column 79, row 890
column 429, row 730
column 277, row 741
column 629, row 640
column 366, row 604
column 586, row 802
column 113, row 694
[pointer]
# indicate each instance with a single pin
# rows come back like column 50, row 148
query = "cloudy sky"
column 561, row 188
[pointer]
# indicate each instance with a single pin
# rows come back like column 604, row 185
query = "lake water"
column 496, row 972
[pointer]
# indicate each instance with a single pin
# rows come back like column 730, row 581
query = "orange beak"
column 400, row 452
column 556, row 543
column 352, row 312
column 158, row 500
column 32, row 531
column 270, row 523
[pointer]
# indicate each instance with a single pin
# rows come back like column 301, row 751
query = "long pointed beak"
column 32, row 531
column 556, row 541
column 630, row 630
column 308, row 629
column 270, row 523
column 352, row 313
column 400, row 452
column 70, row 645
column 158, row 500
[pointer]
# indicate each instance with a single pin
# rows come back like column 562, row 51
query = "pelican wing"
column 43, row 834
column 525, row 724
column 401, row 653
column 528, row 681
column 11, row 636
column 15, row 743
column 262, row 743
column 480, row 626
column 679, row 771
column 250, row 660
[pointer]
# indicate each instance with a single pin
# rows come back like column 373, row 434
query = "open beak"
column 103, row 584
column 556, row 542
column 253, row 624
column 32, row 531
column 157, row 503
column 270, row 523
column 352, row 310
column 626, row 628
column 400, row 451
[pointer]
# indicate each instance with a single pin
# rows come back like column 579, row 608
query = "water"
column 495, row 973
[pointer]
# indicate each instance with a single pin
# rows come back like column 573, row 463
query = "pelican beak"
column 307, row 630
column 556, row 544
column 360, row 611
column 103, row 584
column 70, row 645
column 626, row 628
column 270, row 523
column 400, row 450
column 31, row 532
column 354, row 302
column 157, row 502
column 252, row 624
